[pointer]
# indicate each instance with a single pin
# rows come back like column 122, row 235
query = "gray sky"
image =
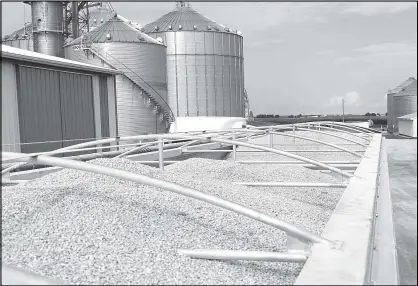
column 304, row 57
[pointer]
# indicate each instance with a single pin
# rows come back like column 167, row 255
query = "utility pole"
column 343, row 108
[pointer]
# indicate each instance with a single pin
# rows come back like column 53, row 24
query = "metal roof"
column 184, row 18
column 410, row 90
column 19, row 34
column 119, row 31
column 411, row 116
column 401, row 86
column 8, row 52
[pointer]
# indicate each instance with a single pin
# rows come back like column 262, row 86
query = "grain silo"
column 142, row 90
column 48, row 28
column 22, row 38
column 205, row 64
column 404, row 103
column 390, row 111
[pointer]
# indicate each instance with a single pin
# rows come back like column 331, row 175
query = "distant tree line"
column 300, row 115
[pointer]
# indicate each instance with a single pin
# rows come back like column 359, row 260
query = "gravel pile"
column 85, row 228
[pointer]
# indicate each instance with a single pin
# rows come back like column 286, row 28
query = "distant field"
column 377, row 120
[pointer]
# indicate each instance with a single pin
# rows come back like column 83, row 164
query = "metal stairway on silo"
column 152, row 94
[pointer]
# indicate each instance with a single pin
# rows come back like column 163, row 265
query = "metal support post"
column 294, row 133
column 161, row 154
column 234, row 147
column 271, row 138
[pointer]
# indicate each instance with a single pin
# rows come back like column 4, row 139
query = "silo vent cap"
column 194, row 27
column 169, row 27
column 180, row 27
column 209, row 27
column 108, row 36
column 156, row 28
column 239, row 33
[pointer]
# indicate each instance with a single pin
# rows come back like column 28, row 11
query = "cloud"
column 374, row 8
column 389, row 52
column 253, row 44
column 351, row 98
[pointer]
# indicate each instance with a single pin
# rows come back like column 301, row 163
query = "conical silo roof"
column 183, row 18
column 402, row 85
column 119, row 32
column 26, row 31
column 409, row 90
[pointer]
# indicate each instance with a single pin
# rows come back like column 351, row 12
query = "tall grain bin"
column 205, row 64
column 390, row 109
column 142, row 90
column 404, row 103
column 48, row 28
column 21, row 38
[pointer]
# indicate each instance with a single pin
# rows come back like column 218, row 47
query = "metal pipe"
column 333, row 129
column 332, row 135
column 291, row 184
column 348, row 127
column 161, row 154
column 176, row 188
column 243, row 255
column 318, row 141
column 15, row 276
column 372, row 131
column 130, row 151
column 297, row 162
column 234, row 148
column 290, row 155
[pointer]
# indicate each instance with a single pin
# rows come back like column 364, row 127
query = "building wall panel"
column 10, row 138
column 39, row 109
column 77, row 108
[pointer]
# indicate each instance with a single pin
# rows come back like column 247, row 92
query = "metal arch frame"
column 279, row 152
column 316, row 141
column 300, row 234
column 372, row 131
column 330, row 128
column 330, row 134
column 349, row 127
column 206, row 137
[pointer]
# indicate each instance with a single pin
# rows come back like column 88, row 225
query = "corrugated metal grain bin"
column 50, row 103
column 22, row 38
column 404, row 103
column 142, row 90
column 205, row 64
column 390, row 108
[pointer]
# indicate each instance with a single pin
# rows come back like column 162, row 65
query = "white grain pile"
column 85, row 228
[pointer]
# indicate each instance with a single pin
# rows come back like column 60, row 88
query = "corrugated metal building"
column 54, row 100
column 408, row 125
column 390, row 105
column 142, row 90
column 404, row 102
column 205, row 64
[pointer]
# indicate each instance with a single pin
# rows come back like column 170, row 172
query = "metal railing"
column 140, row 82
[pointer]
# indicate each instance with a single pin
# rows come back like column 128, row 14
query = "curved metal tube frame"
column 243, row 255
column 185, row 191
column 348, row 127
column 330, row 134
column 206, row 137
column 372, row 131
column 333, row 129
column 287, row 154
column 317, row 141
